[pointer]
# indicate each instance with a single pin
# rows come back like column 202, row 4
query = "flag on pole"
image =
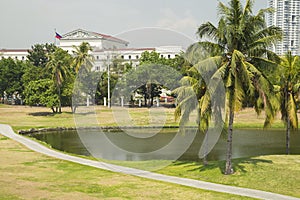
column 58, row 36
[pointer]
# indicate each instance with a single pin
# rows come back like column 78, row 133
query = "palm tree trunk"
column 288, row 125
column 205, row 162
column 288, row 122
column 228, row 167
column 59, row 100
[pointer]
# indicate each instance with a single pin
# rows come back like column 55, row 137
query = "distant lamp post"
column 108, row 82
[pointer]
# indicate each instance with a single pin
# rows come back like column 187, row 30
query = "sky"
column 143, row 23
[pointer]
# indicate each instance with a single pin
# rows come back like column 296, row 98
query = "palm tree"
column 83, row 60
column 59, row 67
column 289, row 90
column 192, row 95
column 239, row 47
column 82, row 57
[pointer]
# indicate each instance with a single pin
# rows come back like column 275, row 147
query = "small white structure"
column 16, row 54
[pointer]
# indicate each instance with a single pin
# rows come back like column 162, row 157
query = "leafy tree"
column 11, row 72
column 150, row 90
column 289, row 76
column 103, row 84
column 42, row 92
column 147, row 80
column 238, row 45
column 39, row 54
column 35, row 67
column 59, row 68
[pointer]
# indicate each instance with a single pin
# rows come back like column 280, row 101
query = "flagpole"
column 54, row 36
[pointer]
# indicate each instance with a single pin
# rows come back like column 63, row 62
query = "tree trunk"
column 59, row 100
column 228, row 168
column 288, row 127
column 145, row 99
column 288, row 122
column 205, row 162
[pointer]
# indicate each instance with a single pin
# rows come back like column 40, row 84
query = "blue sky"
column 26, row 22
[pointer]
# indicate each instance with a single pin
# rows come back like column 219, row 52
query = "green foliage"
column 39, row 54
column 82, row 57
column 11, row 72
column 289, row 76
column 103, row 85
column 238, row 47
column 41, row 92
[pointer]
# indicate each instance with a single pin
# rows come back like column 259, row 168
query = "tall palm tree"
column 59, row 67
column 289, row 90
column 239, row 47
column 83, row 60
column 82, row 57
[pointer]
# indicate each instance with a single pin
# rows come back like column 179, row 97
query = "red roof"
column 14, row 50
column 109, row 37
column 128, row 49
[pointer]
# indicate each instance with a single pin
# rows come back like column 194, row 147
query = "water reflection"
column 246, row 143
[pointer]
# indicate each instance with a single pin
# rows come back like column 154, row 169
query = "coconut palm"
column 239, row 48
column 192, row 96
column 289, row 89
column 59, row 67
column 82, row 57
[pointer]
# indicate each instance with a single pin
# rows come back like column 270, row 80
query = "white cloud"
column 177, row 21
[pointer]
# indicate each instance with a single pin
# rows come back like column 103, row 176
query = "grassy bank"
column 25, row 174
column 25, row 117
column 273, row 173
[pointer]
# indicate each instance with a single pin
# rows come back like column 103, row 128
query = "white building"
column 17, row 54
column 105, row 48
column 287, row 17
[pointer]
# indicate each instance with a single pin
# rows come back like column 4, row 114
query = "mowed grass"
column 26, row 117
column 273, row 173
column 25, row 174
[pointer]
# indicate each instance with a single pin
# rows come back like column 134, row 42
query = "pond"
column 122, row 146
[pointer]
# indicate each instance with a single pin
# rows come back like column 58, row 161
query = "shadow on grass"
column 39, row 114
column 238, row 164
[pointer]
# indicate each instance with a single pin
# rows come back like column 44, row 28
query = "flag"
column 57, row 36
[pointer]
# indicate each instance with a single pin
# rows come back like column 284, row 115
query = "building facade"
column 105, row 48
column 287, row 17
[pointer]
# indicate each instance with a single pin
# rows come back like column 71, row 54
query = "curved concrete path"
column 8, row 132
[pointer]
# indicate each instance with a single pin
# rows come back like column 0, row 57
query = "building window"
column 292, row 43
column 137, row 56
column 161, row 56
column 97, row 68
column 129, row 57
column 169, row 56
column 16, row 57
column 122, row 57
column 97, row 57
column 23, row 58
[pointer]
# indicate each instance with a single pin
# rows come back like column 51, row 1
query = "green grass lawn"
column 26, row 117
column 274, row 173
column 279, row 174
column 25, row 174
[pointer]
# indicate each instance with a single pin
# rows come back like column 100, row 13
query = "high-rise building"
column 287, row 17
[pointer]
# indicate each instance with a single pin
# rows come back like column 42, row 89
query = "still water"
column 123, row 146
